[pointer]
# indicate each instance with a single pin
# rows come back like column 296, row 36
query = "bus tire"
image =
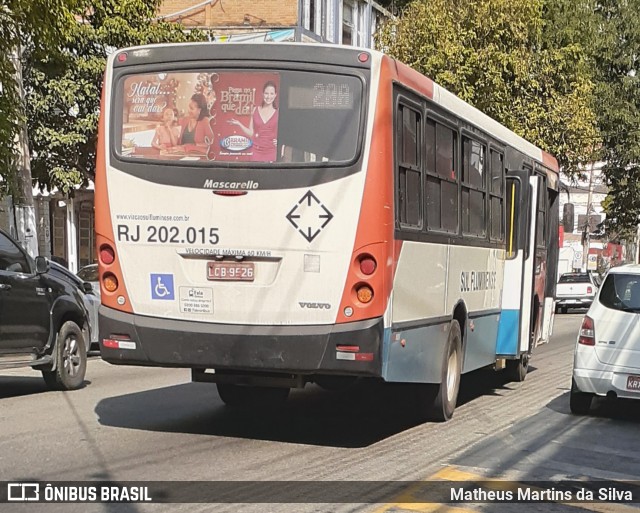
column 251, row 397
column 446, row 397
column 517, row 369
column 71, row 359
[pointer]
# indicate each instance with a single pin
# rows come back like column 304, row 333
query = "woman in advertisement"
column 263, row 126
column 196, row 133
column 167, row 133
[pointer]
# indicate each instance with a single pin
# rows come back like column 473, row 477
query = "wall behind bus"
column 240, row 13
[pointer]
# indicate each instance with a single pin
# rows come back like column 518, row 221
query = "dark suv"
column 43, row 319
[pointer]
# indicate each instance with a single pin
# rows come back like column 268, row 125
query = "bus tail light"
column 230, row 193
column 110, row 282
column 587, row 335
column 368, row 265
column 364, row 293
column 107, row 254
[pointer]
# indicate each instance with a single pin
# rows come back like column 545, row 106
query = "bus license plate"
column 231, row 271
column 633, row 383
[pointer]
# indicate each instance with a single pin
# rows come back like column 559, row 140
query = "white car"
column 607, row 354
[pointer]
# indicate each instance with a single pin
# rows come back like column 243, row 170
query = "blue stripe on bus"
column 508, row 330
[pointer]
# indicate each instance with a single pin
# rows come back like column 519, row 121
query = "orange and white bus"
column 271, row 215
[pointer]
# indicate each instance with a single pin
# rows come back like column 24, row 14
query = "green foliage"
column 494, row 55
column 64, row 88
column 41, row 24
column 617, row 71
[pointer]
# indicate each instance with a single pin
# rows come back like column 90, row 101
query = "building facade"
column 346, row 22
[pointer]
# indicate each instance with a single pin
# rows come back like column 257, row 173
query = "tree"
column 493, row 54
column 64, row 89
column 617, row 73
column 40, row 24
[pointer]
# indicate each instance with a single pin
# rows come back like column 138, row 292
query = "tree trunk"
column 24, row 208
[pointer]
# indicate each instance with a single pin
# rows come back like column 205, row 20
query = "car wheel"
column 252, row 397
column 439, row 401
column 579, row 402
column 517, row 369
column 71, row 359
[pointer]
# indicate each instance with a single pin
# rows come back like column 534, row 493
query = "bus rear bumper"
column 342, row 349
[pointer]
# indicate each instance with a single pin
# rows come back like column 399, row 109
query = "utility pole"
column 587, row 237
column 23, row 205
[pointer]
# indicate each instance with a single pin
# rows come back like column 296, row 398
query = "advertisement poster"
column 226, row 116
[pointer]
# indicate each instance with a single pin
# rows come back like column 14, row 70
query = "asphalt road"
column 131, row 424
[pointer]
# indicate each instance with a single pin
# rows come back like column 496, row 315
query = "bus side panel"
column 419, row 285
column 475, row 281
column 481, row 342
column 424, row 299
column 414, row 350
column 415, row 355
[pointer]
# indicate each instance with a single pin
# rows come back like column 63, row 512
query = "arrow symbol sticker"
column 309, row 216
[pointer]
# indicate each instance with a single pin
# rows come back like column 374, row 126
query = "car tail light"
column 110, row 282
column 107, row 255
column 587, row 335
column 368, row 265
column 589, row 290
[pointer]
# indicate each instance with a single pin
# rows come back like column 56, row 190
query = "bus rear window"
column 240, row 116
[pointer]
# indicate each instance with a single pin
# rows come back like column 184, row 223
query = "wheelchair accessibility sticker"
column 162, row 286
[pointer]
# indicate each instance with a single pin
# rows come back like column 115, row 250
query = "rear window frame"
column 621, row 307
column 588, row 278
column 116, row 114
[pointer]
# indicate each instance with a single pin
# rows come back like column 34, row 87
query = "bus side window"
column 409, row 167
column 496, row 196
column 542, row 214
column 441, row 180
column 474, row 188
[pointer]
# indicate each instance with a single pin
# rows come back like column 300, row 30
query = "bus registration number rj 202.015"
column 231, row 271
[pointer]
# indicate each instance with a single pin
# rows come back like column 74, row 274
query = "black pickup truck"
column 43, row 318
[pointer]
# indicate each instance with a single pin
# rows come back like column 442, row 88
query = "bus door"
column 514, row 331
column 543, row 271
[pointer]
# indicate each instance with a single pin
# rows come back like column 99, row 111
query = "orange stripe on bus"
column 104, row 228
column 374, row 234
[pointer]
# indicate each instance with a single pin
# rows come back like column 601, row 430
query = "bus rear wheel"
column 251, row 397
column 441, row 407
